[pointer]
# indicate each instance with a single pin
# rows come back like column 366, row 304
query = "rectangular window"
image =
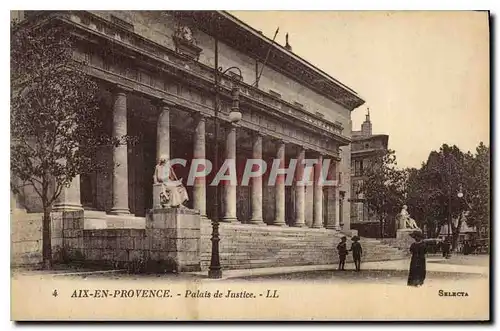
column 358, row 168
column 360, row 212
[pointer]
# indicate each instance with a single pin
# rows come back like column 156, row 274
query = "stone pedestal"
column 157, row 188
column 350, row 233
column 403, row 237
column 174, row 238
column 69, row 199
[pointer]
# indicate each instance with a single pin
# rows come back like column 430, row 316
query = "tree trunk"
column 456, row 233
column 382, row 228
column 46, row 239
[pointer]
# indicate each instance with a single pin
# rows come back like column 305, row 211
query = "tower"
column 366, row 127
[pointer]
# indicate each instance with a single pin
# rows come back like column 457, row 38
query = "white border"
column 184, row 5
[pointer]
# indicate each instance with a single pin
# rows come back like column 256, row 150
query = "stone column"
column 332, row 199
column 69, row 199
column 120, row 155
column 257, row 183
column 229, row 187
column 199, row 188
column 340, row 208
column 300, row 194
column 279, row 197
column 318, row 195
column 163, row 130
column 337, row 208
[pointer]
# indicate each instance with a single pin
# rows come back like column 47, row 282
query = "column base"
column 276, row 223
column 119, row 211
column 229, row 220
column 257, row 222
column 333, row 227
column 299, row 225
column 67, row 207
column 314, row 226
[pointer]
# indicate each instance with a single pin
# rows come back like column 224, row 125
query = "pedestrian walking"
column 418, row 250
column 446, row 248
column 357, row 251
column 342, row 250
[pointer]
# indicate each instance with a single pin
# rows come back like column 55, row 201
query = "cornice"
column 205, row 80
column 251, row 42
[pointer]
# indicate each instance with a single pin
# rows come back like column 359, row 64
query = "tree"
column 383, row 187
column 55, row 119
column 477, row 189
column 434, row 190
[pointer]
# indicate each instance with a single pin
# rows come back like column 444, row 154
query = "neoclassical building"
column 156, row 72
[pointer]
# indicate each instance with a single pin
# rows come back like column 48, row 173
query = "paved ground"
column 460, row 259
column 455, row 268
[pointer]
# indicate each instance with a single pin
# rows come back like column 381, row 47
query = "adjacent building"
column 365, row 145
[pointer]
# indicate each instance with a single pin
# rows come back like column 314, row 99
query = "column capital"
column 256, row 133
column 163, row 103
column 119, row 88
column 228, row 125
column 200, row 116
column 280, row 141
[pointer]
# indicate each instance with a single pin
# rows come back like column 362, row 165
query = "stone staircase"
column 245, row 246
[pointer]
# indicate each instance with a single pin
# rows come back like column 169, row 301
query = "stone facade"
column 158, row 85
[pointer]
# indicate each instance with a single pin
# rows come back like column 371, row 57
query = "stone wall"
column 26, row 237
column 109, row 247
column 170, row 242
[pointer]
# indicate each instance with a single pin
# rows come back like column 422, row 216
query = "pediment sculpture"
column 185, row 43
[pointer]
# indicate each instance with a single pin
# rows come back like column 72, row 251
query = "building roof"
column 244, row 38
column 358, row 137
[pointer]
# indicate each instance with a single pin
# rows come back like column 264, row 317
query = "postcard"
column 250, row 165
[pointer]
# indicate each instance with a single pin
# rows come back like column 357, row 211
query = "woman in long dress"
column 418, row 250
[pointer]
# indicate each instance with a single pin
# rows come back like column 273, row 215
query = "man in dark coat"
column 357, row 251
column 446, row 248
column 342, row 250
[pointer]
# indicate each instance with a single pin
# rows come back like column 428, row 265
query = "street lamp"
column 214, row 270
column 460, row 195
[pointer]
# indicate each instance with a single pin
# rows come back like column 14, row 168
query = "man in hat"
column 357, row 251
column 342, row 250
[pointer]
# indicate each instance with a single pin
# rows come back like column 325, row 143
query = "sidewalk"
column 379, row 265
column 396, row 265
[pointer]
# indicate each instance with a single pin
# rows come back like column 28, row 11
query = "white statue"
column 171, row 195
column 405, row 221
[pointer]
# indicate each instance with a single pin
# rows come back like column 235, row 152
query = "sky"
column 424, row 75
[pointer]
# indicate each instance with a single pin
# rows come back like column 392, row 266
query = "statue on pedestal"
column 171, row 193
column 404, row 221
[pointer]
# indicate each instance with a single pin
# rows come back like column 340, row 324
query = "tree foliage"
column 477, row 189
column 450, row 185
column 383, row 187
column 56, row 125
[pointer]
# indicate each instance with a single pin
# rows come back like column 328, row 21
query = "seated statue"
column 405, row 221
column 164, row 174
